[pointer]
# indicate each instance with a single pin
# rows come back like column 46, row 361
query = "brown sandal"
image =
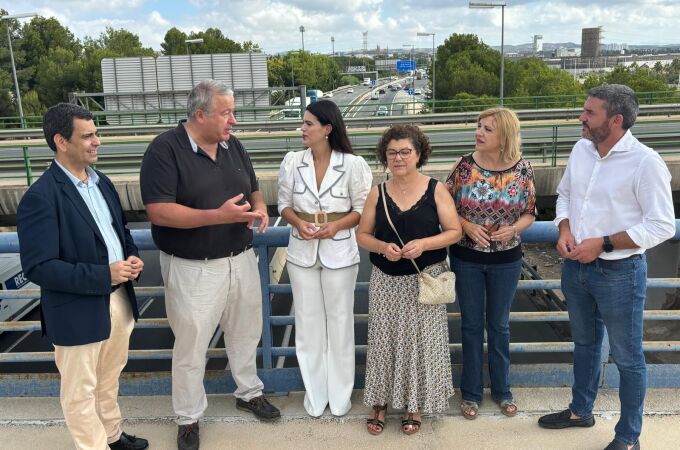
column 508, row 407
column 410, row 422
column 469, row 409
column 375, row 421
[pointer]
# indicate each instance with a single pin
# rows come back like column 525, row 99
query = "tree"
column 57, row 75
column 465, row 64
column 121, row 42
column 251, row 47
column 532, row 77
column 41, row 35
column 173, row 42
column 640, row 79
column 7, row 107
column 214, row 42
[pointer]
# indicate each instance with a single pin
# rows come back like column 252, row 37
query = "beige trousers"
column 89, row 380
column 199, row 295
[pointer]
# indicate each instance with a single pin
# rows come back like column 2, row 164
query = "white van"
column 375, row 95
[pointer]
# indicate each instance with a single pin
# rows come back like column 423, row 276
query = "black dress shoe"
column 259, row 406
column 187, row 437
column 563, row 420
column 618, row 445
column 129, row 442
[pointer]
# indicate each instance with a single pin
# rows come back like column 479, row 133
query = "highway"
column 532, row 135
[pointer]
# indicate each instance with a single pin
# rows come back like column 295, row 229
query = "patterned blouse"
column 492, row 198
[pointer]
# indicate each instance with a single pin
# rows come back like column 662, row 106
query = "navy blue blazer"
column 63, row 252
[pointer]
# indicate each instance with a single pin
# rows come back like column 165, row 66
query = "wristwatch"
column 607, row 245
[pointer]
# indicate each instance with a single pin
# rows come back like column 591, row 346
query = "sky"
column 275, row 24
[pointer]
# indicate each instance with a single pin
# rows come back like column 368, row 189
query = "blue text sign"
column 403, row 66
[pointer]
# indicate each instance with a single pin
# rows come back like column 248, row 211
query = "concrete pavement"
column 37, row 423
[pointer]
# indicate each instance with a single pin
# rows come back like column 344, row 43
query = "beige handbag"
column 432, row 289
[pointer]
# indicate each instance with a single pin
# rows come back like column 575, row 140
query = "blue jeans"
column 489, row 287
column 608, row 294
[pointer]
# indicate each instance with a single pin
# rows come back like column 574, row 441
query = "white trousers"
column 324, row 335
column 199, row 295
column 89, row 380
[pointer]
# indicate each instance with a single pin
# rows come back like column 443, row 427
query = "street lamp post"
column 192, row 41
column 302, row 33
column 333, row 45
column 413, row 81
column 434, row 58
column 14, row 68
column 484, row 5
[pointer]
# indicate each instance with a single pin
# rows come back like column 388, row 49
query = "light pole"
column 484, row 5
column 333, row 44
column 302, row 33
column 192, row 41
column 14, row 68
column 413, row 71
column 434, row 58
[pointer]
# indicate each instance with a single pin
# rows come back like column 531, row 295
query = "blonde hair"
column 507, row 124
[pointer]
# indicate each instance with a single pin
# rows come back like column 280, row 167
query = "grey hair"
column 618, row 99
column 201, row 96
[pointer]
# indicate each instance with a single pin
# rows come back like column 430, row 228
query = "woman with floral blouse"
column 493, row 189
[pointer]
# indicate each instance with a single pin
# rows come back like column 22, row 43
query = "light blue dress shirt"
column 99, row 209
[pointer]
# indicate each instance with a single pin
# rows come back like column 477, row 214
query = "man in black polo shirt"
column 202, row 197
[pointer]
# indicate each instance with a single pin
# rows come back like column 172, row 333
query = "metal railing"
column 570, row 102
column 267, row 150
column 288, row 379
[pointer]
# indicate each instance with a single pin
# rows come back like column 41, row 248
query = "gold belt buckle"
column 317, row 222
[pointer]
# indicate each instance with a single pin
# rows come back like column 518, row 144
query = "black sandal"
column 375, row 421
column 410, row 421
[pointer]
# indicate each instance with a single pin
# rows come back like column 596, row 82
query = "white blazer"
column 344, row 188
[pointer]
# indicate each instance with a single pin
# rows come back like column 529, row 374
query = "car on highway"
column 382, row 111
column 417, row 92
column 350, row 91
column 381, row 90
column 328, row 94
column 375, row 95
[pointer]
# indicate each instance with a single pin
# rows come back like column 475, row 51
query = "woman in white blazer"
column 322, row 191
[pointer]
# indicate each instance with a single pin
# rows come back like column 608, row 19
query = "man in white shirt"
column 614, row 202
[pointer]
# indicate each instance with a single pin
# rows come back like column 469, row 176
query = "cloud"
column 274, row 24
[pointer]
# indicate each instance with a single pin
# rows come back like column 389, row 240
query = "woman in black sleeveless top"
column 408, row 364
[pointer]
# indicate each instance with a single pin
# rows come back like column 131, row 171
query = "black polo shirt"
column 173, row 172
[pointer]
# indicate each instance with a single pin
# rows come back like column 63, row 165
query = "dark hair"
column 421, row 143
column 328, row 113
column 59, row 120
column 618, row 99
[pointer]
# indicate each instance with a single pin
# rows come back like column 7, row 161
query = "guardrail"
column 351, row 122
column 458, row 105
column 542, row 143
column 288, row 379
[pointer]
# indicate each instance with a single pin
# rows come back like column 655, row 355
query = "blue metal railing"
column 287, row 379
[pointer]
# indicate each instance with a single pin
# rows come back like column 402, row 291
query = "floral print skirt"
column 408, row 364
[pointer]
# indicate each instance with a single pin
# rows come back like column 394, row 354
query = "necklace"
column 401, row 189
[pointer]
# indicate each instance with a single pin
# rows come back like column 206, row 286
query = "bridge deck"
column 37, row 423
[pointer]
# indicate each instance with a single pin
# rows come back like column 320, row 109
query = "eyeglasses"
column 404, row 153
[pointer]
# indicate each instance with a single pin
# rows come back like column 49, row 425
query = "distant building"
column 386, row 64
column 563, row 52
column 590, row 42
column 616, row 47
column 538, row 43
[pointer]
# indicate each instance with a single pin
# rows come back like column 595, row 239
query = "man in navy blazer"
column 75, row 245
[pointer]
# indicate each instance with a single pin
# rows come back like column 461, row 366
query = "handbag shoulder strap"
column 389, row 220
